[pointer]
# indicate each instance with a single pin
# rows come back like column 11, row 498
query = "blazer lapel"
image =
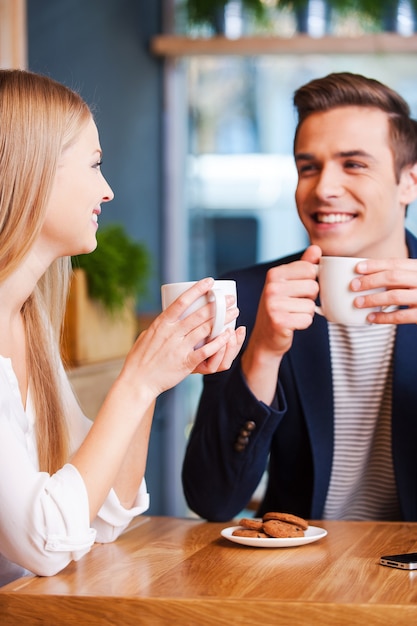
column 404, row 410
column 404, row 418
column 310, row 360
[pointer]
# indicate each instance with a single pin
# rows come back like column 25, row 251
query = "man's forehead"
column 344, row 129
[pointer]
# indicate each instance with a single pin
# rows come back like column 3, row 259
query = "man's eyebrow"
column 355, row 153
column 304, row 156
column 308, row 156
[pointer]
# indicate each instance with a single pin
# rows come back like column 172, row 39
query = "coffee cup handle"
column 218, row 297
column 318, row 309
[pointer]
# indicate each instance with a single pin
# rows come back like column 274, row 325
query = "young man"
column 329, row 410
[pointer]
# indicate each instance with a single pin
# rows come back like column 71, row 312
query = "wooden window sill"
column 378, row 43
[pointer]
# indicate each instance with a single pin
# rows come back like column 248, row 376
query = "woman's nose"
column 108, row 193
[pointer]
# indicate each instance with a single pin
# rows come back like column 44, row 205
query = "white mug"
column 216, row 295
column 336, row 298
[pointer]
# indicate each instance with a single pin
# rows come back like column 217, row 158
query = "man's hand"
column 287, row 304
column 399, row 278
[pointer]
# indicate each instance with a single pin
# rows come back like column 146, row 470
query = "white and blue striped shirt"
column 362, row 484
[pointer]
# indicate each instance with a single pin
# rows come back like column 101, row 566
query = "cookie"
column 247, row 532
column 286, row 517
column 281, row 530
column 252, row 524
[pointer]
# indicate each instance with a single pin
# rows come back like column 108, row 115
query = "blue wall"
column 100, row 48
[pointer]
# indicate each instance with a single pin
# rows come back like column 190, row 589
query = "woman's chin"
column 86, row 249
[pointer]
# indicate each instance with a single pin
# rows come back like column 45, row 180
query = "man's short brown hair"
column 346, row 89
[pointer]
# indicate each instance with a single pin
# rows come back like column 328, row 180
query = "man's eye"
column 353, row 165
column 305, row 169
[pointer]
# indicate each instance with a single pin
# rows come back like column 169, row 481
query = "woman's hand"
column 164, row 354
column 223, row 359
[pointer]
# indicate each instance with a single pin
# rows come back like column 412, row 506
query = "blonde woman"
column 66, row 482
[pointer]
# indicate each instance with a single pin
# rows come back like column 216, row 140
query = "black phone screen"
column 402, row 561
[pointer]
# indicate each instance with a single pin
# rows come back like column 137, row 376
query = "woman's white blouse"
column 44, row 519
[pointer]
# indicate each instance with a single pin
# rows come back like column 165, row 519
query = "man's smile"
column 333, row 218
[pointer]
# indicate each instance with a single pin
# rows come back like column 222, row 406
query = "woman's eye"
column 98, row 164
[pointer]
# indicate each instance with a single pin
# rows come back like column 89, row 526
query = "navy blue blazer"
column 293, row 438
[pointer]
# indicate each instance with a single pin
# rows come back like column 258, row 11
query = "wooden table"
column 180, row 571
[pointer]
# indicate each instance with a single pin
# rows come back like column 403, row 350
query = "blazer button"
column 244, row 434
column 247, row 429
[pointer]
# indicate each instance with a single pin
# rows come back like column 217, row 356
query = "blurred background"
column 196, row 125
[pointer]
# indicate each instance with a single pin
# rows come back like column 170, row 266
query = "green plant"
column 202, row 11
column 375, row 9
column 118, row 269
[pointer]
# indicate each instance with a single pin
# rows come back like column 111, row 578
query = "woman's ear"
column 408, row 184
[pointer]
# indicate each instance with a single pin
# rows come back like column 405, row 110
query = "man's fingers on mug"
column 337, row 300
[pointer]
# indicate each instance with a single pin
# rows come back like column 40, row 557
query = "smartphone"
column 402, row 561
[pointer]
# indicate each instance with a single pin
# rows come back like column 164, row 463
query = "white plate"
column 313, row 533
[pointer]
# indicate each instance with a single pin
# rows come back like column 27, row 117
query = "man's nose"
column 329, row 182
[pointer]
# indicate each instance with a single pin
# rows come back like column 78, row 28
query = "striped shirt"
column 362, row 484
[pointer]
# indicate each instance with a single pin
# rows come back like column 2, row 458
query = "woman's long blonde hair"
column 39, row 118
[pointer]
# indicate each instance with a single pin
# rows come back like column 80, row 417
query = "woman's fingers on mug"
column 196, row 303
column 231, row 314
column 221, row 358
column 205, row 349
column 233, row 347
column 211, row 364
column 177, row 299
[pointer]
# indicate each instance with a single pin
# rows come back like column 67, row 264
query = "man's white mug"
column 336, row 297
column 216, row 295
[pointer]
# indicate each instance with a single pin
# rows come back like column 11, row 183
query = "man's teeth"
column 333, row 218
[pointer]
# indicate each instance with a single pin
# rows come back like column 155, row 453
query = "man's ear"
column 408, row 184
